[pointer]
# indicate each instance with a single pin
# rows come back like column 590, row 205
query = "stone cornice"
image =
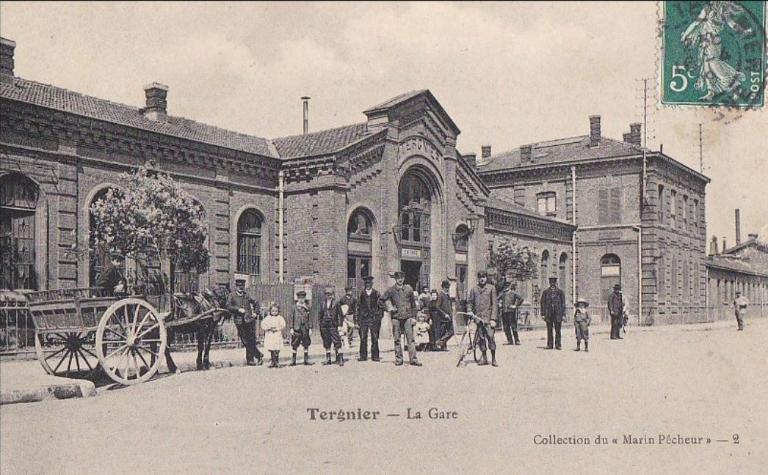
column 511, row 222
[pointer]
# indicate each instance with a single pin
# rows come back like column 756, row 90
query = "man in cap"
column 239, row 306
column 301, row 327
column 553, row 312
column 331, row 319
column 509, row 302
column 443, row 316
column 740, row 306
column 111, row 279
column 482, row 301
column 401, row 304
column 616, row 311
column 369, row 315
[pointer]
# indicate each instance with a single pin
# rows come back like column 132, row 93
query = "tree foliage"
column 151, row 218
column 513, row 261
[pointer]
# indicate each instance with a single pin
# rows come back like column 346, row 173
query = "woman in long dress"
column 715, row 75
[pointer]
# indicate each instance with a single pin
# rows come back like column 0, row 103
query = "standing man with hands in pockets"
column 239, row 306
column 401, row 305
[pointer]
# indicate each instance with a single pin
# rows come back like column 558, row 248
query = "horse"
column 185, row 306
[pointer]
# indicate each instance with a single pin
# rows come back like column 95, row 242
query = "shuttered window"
column 609, row 205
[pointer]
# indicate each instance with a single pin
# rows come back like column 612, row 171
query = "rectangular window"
column 609, row 205
column 685, row 211
column 546, row 203
column 602, row 207
column 673, row 208
column 660, row 204
column 615, row 205
column 519, row 196
column 694, row 213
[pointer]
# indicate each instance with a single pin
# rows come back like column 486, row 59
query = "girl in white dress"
column 273, row 326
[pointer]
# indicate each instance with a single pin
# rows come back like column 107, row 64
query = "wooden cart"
column 81, row 331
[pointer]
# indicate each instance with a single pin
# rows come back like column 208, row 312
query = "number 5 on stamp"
column 713, row 53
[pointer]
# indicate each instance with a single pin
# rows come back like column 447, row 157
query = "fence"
column 17, row 330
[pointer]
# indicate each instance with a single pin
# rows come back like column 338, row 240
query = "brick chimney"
column 713, row 246
column 471, row 159
column 752, row 236
column 7, row 48
column 635, row 134
column 725, row 246
column 305, row 102
column 594, row 130
column 157, row 104
column 526, row 154
column 738, row 226
column 627, row 137
column 485, row 152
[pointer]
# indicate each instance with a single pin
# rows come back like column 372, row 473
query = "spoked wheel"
column 476, row 353
column 465, row 345
column 130, row 341
column 66, row 354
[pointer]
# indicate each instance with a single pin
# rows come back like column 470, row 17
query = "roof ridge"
column 71, row 91
column 332, row 129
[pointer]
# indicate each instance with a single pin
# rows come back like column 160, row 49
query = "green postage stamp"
column 713, row 53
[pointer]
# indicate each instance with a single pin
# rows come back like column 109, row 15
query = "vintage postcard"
column 383, row 237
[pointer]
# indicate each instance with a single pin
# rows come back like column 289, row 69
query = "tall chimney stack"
column 157, row 103
column 7, row 48
column 738, row 227
column 305, row 100
column 526, row 154
column 635, row 133
column 725, row 246
column 485, row 152
column 594, row 130
column 713, row 246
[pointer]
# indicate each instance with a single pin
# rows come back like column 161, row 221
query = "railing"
column 17, row 330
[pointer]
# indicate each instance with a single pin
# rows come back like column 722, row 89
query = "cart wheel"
column 66, row 354
column 130, row 341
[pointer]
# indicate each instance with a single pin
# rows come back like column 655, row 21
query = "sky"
column 508, row 74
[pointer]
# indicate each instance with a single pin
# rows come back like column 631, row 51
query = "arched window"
column 414, row 206
column 610, row 275
column 18, row 202
column 562, row 273
column 249, row 243
column 461, row 246
column 544, row 273
column 359, row 248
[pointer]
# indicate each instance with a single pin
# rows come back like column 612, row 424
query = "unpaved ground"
column 705, row 381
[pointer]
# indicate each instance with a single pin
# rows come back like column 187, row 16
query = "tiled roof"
column 57, row 98
column 735, row 264
column 561, row 150
column 752, row 242
column 498, row 203
column 319, row 143
column 396, row 100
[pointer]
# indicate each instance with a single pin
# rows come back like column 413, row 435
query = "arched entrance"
column 418, row 216
column 610, row 275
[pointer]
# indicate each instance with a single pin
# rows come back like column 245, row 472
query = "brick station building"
column 639, row 217
column 390, row 192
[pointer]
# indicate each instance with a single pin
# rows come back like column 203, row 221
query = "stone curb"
column 65, row 390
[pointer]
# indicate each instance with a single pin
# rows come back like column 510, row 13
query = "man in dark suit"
column 369, row 315
column 442, row 316
column 401, row 305
column 330, row 321
column 553, row 311
column 111, row 278
column 509, row 303
column 239, row 306
column 616, row 310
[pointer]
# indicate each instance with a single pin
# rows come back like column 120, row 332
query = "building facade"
column 639, row 216
column 743, row 268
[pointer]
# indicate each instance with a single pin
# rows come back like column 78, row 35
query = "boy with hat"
column 301, row 328
column 581, row 321
column 369, row 315
column 239, row 306
column 401, row 304
column 482, row 301
column 330, row 321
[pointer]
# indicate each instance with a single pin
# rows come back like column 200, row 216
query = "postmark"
column 713, row 54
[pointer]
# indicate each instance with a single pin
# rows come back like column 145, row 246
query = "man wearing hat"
column 239, row 306
column 301, row 327
column 553, row 312
column 616, row 310
column 369, row 315
column 482, row 301
column 331, row 319
column 740, row 306
column 443, row 316
column 401, row 305
column 111, row 278
column 509, row 302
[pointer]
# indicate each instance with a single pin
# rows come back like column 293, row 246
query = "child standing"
column 301, row 329
column 273, row 326
column 581, row 321
column 421, row 331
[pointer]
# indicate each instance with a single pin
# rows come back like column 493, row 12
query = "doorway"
column 412, row 271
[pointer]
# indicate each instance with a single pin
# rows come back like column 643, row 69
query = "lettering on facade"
column 411, row 253
column 420, row 146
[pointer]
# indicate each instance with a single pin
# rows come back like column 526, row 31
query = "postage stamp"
column 713, row 53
